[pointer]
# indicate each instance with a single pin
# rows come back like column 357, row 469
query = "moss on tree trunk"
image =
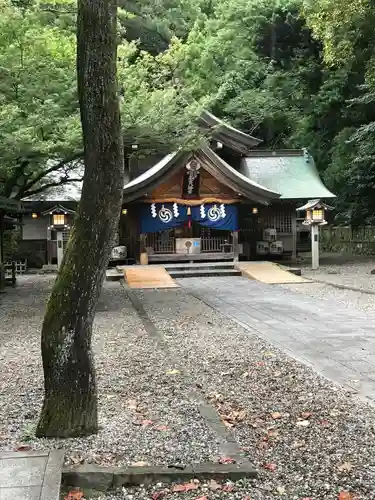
column 70, row 401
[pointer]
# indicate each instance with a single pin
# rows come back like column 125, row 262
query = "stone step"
column 113, row 275
column 202, row 273
column 199, row 267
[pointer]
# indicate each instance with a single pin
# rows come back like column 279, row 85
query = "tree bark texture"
column 70, row 401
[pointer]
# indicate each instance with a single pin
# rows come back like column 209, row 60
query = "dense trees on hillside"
column 297, row 73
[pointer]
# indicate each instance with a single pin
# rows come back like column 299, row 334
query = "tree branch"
column 12, row 181
column 44, row 173
column 47, row 186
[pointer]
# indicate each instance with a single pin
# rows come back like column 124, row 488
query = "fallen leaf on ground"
column 74, row 495
column 185, row 487
column 146, row 423
column 259, row 363
column 226, row 460
column 345, row 495
column 268, row 353
column 345, row 467
column 276, row 415
column 158, row 494
column 233, row 417
column 162, row 428
column 306, row 414
column 263, row 445
column 202, row 498
column 324, row 422
column 273, row 433
column 24, row 448
column 228, row 424
column 228, row 488
column 213, row 485
column 140, row 464
column 302, row 423
column 172, row 372
column 271, row 467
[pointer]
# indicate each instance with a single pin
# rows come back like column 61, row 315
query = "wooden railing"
column 213, row 243
column 161, row 242
column 166, row 243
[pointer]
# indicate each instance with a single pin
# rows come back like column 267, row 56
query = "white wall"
column 34, row 229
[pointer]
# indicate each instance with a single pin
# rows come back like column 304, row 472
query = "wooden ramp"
column 268, row 272
column 148, row 277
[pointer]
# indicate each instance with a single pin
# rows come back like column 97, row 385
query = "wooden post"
column 235, row 246
column 142, row 249
column 294, row 235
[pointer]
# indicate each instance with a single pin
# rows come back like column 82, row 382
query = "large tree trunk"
column 70, row 401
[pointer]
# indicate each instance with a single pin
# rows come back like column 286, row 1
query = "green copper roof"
column 293, row 174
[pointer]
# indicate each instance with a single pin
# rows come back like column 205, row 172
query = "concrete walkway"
column 337, row 342
column 31, row 475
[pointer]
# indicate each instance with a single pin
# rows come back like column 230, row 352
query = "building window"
column 58, row 219
column 281, row 221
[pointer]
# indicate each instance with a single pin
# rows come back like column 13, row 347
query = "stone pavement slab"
column 338, row 342
column 30, row 475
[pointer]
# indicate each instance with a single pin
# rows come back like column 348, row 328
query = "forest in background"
column 295, row 73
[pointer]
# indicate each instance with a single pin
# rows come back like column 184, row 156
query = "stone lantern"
column 314, row 217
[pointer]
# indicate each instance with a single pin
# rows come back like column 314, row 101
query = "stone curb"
column 107, row 478
column 344, row 287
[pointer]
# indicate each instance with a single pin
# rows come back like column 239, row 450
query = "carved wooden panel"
column 209, row 186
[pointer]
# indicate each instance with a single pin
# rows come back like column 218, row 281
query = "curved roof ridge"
column 225, row 130
column 246, row 187
column 235, row 175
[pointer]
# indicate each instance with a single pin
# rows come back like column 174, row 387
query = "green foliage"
column 296, row 73
column 11, row 244
column 40, row 133
column 347, row 32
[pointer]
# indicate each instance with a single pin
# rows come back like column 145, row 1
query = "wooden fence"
column 356, row 241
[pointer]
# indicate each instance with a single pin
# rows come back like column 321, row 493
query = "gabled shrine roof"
column 292, row 173
column 210, row 161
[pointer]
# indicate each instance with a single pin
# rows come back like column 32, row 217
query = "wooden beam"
column 142, row 245
column 236, row 252
column 176, row 257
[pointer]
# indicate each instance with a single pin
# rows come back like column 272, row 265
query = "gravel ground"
column 353, row 274
column 307, row 437
column 146, row 415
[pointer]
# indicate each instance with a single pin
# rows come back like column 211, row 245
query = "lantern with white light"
column 314, row 217
column 59, row 221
